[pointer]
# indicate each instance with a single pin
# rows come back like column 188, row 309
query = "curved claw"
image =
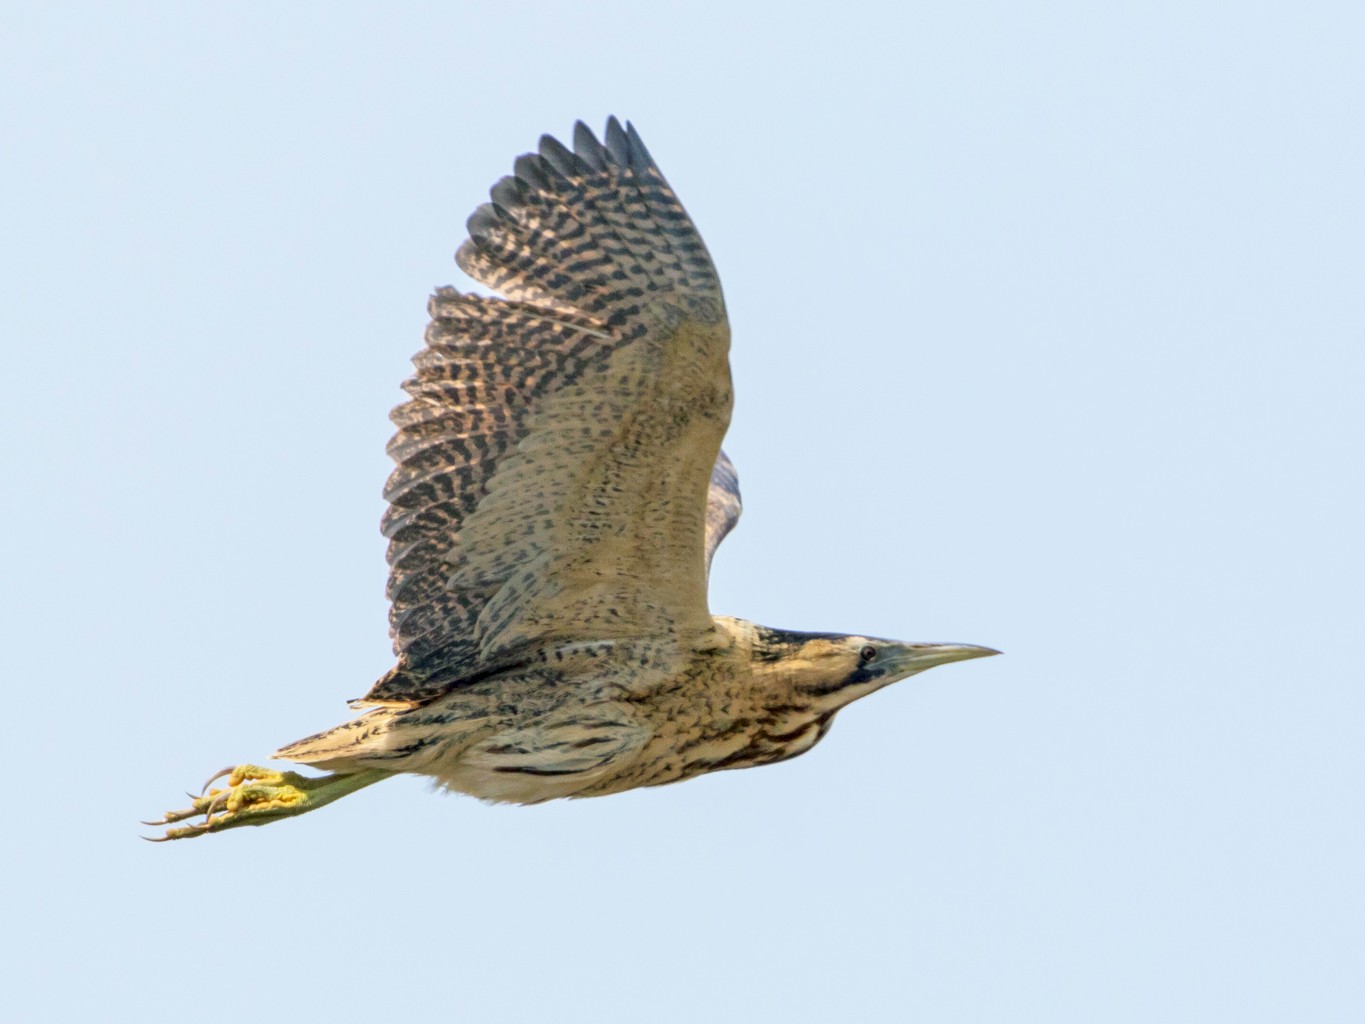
column 188, row 832
column 198, row 806
column 224, row 773
column 217, row 800
column 197, row 829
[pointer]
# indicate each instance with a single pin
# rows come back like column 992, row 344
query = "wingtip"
column 560, row 157
column 618, row 145
column 587, row 148
column 483, row 220
column 507, row 192
column 531, row 169
column 640, row 156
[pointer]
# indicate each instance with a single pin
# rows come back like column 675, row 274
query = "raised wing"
column 722, row 505
column 555, row 454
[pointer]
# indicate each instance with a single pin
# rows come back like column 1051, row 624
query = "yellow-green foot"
column 258, row 796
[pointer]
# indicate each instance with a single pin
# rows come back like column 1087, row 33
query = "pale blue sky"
column 1048, row 326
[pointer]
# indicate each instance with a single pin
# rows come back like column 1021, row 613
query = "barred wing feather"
column 558, row 447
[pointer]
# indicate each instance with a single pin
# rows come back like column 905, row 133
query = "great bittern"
column 559, row 494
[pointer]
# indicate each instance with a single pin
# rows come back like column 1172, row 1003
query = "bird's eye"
column 867, row 653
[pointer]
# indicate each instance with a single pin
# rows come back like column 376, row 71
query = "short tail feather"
column 359, row 742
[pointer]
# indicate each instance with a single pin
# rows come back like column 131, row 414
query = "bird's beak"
column 908, row 659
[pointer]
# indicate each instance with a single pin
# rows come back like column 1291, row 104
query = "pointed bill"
column 910, row 658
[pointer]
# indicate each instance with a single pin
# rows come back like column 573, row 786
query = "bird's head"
column 831, row 670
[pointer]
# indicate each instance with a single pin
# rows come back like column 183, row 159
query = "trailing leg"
column 258, row 796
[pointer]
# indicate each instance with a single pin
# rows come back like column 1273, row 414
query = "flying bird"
column 559, row 493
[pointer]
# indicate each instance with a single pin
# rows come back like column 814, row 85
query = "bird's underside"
column 558, row 495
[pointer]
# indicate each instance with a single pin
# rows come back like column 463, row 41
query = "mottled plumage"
column 558, row 497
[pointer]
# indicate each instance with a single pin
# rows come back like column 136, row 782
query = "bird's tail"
column 393, row 739
column 364, row 742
